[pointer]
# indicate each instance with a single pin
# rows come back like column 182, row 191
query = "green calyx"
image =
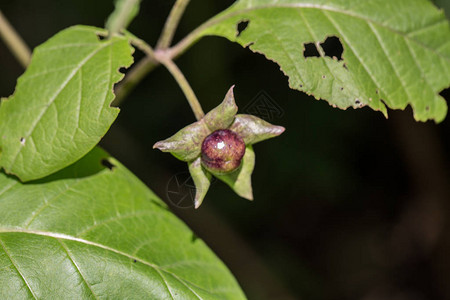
column 236, row 171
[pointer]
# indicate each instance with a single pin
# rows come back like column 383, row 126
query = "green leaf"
column 253, row 129
column 61, row 106
column 100, row 234
column 240, row 180
column 202, row 180
column 222, row 115
column 396, row 53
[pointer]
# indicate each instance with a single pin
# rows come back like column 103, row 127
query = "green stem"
column 121, row 16
column 143, row 46
column 140, row 70
column 189, row 40
column 184, row 85
column 14, row 42
column 171, row 24
column 162, row 55
column 153, row 59
column 195, row 35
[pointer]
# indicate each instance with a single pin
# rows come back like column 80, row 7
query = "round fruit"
column 222, row 151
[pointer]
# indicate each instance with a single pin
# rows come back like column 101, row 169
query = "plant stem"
column 171, row 24
column 189, row 40
column 153, row 59
column 143, row 46
column 162, row 55
column 195, row 35
column 14, row 42
column 122, row 15
column 184, row 85
column 139, row 71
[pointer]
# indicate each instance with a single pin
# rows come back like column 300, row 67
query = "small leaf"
column 395, row 53
column 186, row 143
column 222, row 115
column 202, row 180
column 102, row 234
column 241, row 180
column 61, row 106
column 253, row 129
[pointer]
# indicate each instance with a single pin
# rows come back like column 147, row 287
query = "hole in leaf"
column 106, row 163
column 310, row 50
column 122, row 70
column 241, row 26
column 332, row 47
column 445, row 94
column 248, row 45
column 194, row 238
column 323, row 77
column 342, row 88
column 357, row 102
column 101, row 37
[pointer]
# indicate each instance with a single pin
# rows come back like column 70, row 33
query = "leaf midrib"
column 221, row 17
column 62, row 236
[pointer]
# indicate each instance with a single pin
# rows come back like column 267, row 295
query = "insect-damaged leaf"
column 396, row 53
column 61, row 106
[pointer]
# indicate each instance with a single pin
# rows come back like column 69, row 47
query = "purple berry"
column 222, row 151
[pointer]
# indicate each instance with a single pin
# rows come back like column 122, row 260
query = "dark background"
column 348, row 205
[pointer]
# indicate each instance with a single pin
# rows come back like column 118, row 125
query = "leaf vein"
column 371, row 76
column 55, row 95
column 9, row 187
column 17, row 269
column 320, row 7
column 288, row 55
column 99, row 245
column 71, row 45
column 388, row 58
column 184, row 283
column 112, row 219
column 325, row 62
column 165, row 283
column 47, row 203
column 64, row 246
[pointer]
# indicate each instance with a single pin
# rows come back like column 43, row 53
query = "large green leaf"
column 396, row 53
column 61, row 106
column 93, row 232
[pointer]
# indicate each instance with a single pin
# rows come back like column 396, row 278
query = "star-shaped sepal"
column 220, row 144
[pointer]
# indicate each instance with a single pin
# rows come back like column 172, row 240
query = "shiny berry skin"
column 222, row 151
